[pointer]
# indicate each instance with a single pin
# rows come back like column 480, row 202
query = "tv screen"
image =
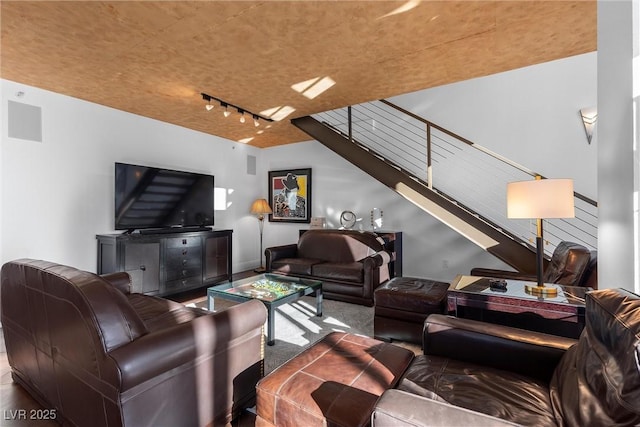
column 148, row 197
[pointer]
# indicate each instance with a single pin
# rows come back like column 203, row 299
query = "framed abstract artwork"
column 290, row 195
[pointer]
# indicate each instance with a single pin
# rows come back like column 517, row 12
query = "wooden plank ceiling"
column 291, row 58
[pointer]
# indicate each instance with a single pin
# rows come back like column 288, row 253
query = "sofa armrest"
column 530, row 353
column 397, row 408
column 278, row 252
column 503, row 274
column 120, row 280
column 377, row 260
column 189, row 342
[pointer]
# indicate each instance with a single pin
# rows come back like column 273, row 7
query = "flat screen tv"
column 155, row 198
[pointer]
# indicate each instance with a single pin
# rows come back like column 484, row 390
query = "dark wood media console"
column 167, row 263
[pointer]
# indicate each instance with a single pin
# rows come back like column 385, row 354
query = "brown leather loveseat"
column 96, row 355
column 475, row 373
column 351, row 264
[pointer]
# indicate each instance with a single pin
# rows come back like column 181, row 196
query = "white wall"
column 529, row 115
column 337, row 185
column 58, row 194
column 617, row 233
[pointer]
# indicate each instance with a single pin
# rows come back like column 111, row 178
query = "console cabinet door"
column 217, row 258
column 142, row 262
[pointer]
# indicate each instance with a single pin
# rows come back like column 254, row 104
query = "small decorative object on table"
column 318, row 222
column 376, row 218
column 347, row 219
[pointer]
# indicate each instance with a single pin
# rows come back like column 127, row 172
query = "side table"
column 471, row 297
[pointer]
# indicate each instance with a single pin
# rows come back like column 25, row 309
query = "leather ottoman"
column 335, row 382
column 402, row 305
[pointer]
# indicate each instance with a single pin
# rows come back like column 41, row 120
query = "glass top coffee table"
column 272, row 289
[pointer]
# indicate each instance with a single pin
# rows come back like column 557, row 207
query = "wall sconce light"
column 227, row 112
column 589, row 117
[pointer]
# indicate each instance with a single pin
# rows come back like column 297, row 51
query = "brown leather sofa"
column 571, row 264
column 351, row 264
column 97, row 355
column 494, row 374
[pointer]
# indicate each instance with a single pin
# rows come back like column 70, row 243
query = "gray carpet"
column 297, row 325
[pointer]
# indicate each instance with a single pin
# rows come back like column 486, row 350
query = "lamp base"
column 260, row 270
column 545, row 291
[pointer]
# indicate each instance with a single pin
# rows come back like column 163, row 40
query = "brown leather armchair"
column 571, row 264
column 96, row 355
column 493, row 374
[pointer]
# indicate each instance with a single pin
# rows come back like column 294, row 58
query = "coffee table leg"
column 271, row 330
column 319, row 302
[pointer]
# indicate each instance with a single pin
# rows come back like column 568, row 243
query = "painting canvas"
column 290, row 195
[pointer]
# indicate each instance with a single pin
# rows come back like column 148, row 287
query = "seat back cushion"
column 338, row 245
column 598, row 380
column 568, row 263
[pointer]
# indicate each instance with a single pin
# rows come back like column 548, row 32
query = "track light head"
column 242, row 119
column 256, row 123
column 209, row 107
column 226, row 112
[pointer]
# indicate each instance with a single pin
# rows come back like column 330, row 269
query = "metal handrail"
column 481, row 148
column 401, row 138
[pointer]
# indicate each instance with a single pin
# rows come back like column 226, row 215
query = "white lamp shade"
column 542, row 198
column 260, row 207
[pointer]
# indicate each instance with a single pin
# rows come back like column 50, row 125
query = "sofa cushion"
column 159, row 313
column 294, row 265
column 597, row 382
column 338, row 245
column 350, row 272
column 502, row 394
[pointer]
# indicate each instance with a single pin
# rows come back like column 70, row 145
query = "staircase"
column 404, row 152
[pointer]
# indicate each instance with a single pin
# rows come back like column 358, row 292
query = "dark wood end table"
column 472, row 297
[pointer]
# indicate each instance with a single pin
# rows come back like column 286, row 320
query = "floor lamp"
column 260, row 208
column 540, row 199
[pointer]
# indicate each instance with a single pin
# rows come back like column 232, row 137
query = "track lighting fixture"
column 209, row 105
column 227, row 112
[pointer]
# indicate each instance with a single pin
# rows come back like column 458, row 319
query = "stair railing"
column 467, row 173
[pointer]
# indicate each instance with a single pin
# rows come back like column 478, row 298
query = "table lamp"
column 260, row 208
column 540, row 199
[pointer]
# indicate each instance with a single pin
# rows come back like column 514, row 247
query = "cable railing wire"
column 464, row 172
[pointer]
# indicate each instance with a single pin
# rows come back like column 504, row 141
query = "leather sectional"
column 475, row 373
